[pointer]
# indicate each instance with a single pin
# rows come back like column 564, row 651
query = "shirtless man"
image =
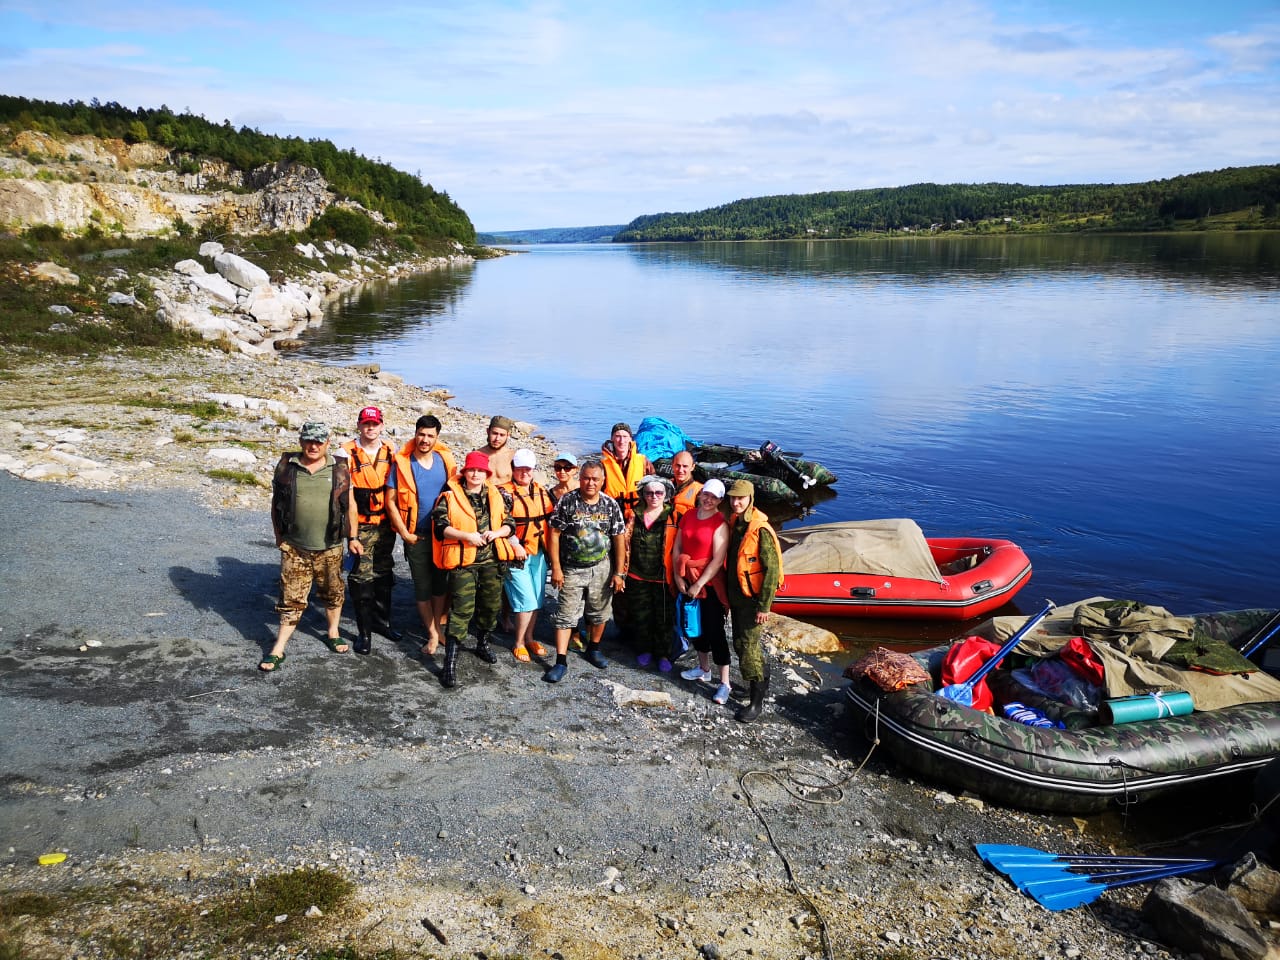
column 498, row 450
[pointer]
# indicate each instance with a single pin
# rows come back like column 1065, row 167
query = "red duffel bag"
column 963, row 660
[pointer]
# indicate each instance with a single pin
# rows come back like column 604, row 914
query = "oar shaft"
column 1262, row 640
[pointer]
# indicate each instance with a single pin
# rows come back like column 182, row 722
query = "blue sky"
column 544, row 114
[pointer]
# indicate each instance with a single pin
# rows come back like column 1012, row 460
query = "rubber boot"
column 364, row 615
column 752, row 709
column 484, row 651
column 449, row 673
column 382, row 588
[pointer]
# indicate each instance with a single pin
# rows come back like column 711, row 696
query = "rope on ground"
column 800, row 784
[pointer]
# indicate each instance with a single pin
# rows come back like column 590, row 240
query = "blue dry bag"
column 689, row 616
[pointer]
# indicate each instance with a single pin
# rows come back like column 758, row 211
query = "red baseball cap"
column 477, row 461
column 370, row 415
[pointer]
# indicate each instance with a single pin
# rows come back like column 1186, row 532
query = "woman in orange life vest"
column 702, row 543
column 651, row 533
column 471, row 531
column 529, row 507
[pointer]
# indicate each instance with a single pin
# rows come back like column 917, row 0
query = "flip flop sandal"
column 537, row 649
column 521, row 654
column 333, row 643
column 271, row 663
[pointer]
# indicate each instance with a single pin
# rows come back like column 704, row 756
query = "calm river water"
column 1109, row 403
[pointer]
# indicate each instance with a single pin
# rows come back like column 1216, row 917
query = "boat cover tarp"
column 657, row 438
column 890, row 548
column 1132, row 663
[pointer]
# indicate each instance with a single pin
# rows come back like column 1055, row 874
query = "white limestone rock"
column 232, row 455
column 215, row 286
column 190, row 268
column 52, row 273
column 240, row 271
column 47, row 471
column 61, row 310
column 211, row 248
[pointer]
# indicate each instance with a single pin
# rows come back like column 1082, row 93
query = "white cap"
column 714, row 487
column 524, row 458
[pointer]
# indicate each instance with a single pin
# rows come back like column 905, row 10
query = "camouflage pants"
column 652, row 611
column 475, row 596
column 377, row 560
column 746, row 638
column 299, row 569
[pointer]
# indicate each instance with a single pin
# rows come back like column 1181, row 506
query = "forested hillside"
column 417, row 208
column 1233, row 198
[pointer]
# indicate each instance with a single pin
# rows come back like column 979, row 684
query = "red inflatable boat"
column 888, row 568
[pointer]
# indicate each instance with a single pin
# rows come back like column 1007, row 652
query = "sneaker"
column 575, row 641
column 722, row 693
column 556, row 673
column 697, row 673
column 596, row 658
column 644, row 659
column 664, row 665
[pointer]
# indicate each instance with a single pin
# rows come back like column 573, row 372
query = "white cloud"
column 543, row 113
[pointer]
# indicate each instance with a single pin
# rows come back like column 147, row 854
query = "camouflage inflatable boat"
column 1066, row 770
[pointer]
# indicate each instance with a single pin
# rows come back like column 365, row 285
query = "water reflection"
column 1106, row 402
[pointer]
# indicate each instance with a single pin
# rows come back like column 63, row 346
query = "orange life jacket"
column 747, row 564
column 620, row 484
column 529, row 515
column 687, row 498
column 369, row 480
column 407, row 486
column 451, row 554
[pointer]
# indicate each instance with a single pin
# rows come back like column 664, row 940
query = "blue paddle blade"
column 1063, row 893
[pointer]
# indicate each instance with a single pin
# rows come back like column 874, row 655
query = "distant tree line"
column 554, row 235
column 1237, row 197
column 418, row 208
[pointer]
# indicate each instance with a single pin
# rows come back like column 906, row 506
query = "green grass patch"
column 200, row 409
column 243, row 477
column 251, row 915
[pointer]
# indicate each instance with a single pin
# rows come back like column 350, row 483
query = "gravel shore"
column 503, row 818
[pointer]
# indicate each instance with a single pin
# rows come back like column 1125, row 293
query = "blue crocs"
column 596, row 658
column 556, row 673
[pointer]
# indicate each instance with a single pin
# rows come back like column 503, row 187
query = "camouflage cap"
column 314, row 430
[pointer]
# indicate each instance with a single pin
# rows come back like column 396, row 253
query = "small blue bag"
column 689, row 617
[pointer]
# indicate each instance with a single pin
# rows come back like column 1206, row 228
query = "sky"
column 553, row 114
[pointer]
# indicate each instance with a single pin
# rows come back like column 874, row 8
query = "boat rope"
column 801, row 784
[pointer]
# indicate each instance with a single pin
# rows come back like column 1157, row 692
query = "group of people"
column 612, row 538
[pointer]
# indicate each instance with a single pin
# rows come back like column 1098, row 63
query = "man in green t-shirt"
column 313, row 513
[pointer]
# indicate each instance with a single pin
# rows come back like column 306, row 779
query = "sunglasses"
column 561, row 467
column 655, row 493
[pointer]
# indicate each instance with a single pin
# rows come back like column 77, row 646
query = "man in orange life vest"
column 753, row 572
column 371, row 579
column 624, row 468
column 471, row 542
column 687, row 488
column 418, row 474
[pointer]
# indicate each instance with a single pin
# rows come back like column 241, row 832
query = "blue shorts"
column 526, row 586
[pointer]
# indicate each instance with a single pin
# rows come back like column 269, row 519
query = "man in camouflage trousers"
column 753, row 572
column 311, row 512
column 371, row 580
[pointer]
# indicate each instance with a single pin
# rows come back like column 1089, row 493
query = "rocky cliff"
column 79, row 183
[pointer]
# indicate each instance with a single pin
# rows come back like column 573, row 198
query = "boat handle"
column 862, row 591
column 982, row 586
